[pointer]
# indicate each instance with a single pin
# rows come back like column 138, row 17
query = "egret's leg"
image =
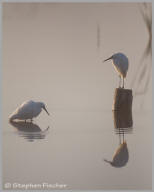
column 123, row 82
column 25, row 120
column 123, row 136
column 119, row 137
column 31, row 120
column 119, row 81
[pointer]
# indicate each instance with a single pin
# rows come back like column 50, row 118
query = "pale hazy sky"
column 50, row 50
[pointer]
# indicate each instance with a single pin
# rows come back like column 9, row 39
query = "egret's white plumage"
column 28, row 110
column 120, row 63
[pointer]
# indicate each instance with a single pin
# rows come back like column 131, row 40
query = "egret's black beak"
column 108, row 59
column 46, row 110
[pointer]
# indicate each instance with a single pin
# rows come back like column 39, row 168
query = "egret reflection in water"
column 120, row 157
column 29, row 130
column 123, row 125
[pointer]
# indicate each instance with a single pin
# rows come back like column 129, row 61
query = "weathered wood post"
column 122, row 99
column 122, row 110
column 122, row 119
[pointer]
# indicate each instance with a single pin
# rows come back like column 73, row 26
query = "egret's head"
column 118, row 56
column 110, row 162
column 43, row 107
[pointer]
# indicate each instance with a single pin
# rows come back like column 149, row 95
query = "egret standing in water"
column 120, row 63
column 28, row 110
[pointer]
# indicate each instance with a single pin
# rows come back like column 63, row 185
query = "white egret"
column 120, row 63
column 28, row 110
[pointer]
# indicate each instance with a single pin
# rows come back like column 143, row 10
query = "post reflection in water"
column 29, row 130
column 123, row 124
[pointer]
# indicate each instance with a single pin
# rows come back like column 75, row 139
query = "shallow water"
column 73, row 149
column 51, row 55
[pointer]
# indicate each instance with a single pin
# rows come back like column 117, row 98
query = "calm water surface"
column 71, row 147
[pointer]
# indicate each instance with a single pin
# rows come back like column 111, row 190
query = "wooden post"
column 122, row 100
column 122, row 110
column 123, row 119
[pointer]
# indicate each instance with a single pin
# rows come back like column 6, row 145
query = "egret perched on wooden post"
column 28, row 110
column 120, row 63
